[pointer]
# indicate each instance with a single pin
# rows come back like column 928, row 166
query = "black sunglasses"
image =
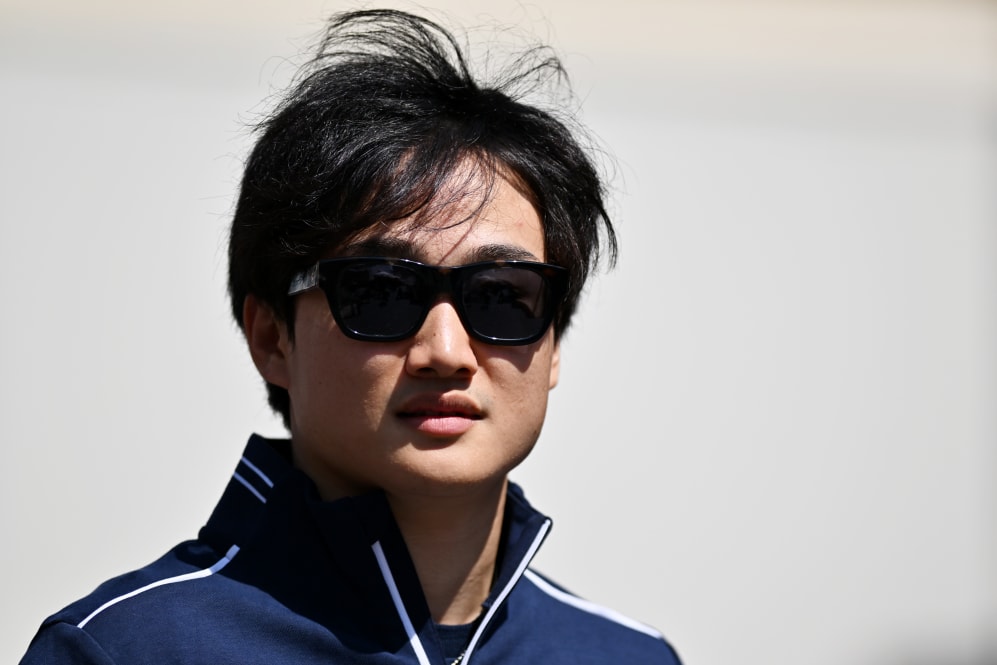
column 386, row 300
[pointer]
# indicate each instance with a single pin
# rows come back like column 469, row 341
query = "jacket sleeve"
column 64, row 644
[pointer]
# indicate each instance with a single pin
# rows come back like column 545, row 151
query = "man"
column 406, row 251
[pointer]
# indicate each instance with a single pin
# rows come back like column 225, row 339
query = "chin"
column 446, row 476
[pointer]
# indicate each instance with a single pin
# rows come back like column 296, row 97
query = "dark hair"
column 383, row 117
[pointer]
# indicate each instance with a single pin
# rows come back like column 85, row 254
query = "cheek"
column 525, row 391
column 337, row 380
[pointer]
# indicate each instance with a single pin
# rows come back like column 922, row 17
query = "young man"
column 407, row 249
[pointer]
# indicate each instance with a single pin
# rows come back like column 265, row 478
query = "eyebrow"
column 401, row 249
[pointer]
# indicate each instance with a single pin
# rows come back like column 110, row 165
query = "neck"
column 454, row 546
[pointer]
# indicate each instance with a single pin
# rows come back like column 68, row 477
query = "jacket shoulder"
column 75, row 633
column 595, row 633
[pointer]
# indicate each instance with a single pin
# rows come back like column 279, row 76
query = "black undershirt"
column 455, row 639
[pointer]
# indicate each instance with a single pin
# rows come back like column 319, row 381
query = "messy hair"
column 377, row 127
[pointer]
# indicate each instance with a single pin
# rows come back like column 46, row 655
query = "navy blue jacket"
column 279, row 576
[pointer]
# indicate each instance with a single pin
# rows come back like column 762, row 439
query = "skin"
column 436, row 421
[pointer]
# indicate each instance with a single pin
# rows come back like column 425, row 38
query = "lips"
column 441, row 415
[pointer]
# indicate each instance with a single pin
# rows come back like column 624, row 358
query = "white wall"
column 775, row 434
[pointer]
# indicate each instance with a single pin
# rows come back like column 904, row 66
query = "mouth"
column 440, row 413
column 442, row 416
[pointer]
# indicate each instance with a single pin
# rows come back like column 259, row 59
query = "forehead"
column 475, row 224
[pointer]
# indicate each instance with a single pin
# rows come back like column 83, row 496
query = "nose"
column 441, row 347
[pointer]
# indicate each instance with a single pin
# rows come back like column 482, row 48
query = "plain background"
column 775, row 433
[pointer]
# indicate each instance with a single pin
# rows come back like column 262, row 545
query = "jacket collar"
column 316, row 556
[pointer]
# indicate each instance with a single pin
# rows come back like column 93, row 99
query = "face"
column 435, row 414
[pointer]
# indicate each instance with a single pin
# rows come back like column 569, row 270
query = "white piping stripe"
column 590, row 607
column 205, row 572
column 413, row 638
column 507, row 590
column 257, row 471
column 245, row 483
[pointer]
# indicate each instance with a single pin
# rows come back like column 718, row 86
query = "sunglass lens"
column 380, row 300
column 506, row 303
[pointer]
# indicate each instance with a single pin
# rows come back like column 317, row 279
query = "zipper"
column 413, row 637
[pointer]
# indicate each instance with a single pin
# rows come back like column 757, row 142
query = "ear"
column 555, row 364
column 268, row 341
